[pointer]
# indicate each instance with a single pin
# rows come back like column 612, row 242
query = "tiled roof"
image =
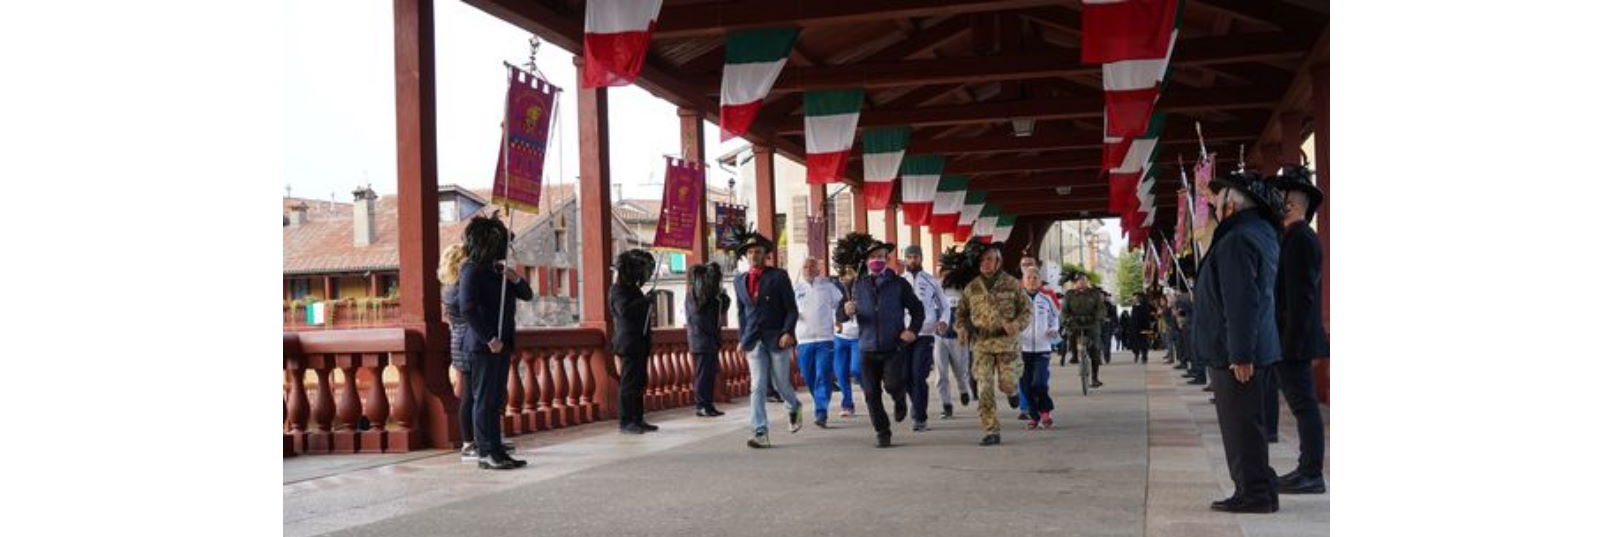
column 326, row 244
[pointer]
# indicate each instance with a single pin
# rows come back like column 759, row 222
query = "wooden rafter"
column 720, row 17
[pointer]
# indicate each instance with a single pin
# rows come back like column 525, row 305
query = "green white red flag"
column 881, row 152
column 617, row 33
column 754, row 58
column 920, row 176
column 1004, row 227
column 1127, row 172
column 985, row 225
column 830, row 130
column 972, row 204
column 948, row 201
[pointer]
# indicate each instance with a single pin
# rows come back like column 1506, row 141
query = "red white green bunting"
column 616, row 36
column 830, row 129
column 947, row 203
column 985, row 225
column 1127, row 171
column 1004, row 227
column 754, row 58
column 972, row 204
column 920, row 175
column 881, row 153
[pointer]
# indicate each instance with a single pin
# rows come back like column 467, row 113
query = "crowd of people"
column 1244, row 320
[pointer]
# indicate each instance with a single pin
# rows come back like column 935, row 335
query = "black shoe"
column 631, row 428
column 495, row 463
column 900, row 409
column 1180, row 366
column 1013, row 401
column 1221, row 504
column 1096, row 384
column 964, row 399
column 794, row 421
column 822, row 422
column 648, row 427
column 835, row 388
column 991, row 439
column 773, row 398
column 1246, row 505
column 1303, row 485
column 1271, row 439
column 945, row 412
column 883, row 441
column 1291, row 476
column 1024, row 416
column 1196, row 382
column 709, row 413
column 1208, row 388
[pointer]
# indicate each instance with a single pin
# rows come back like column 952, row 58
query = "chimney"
column 365, row 216
column 298, row 215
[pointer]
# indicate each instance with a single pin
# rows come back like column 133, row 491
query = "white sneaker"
column 469, row 452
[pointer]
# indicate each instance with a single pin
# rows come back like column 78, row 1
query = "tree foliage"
column 1128, row 276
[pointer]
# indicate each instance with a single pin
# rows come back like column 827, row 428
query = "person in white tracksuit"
column 951, row 357
column 1036, row 345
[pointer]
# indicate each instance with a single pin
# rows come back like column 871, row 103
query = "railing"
column 556, row 380
column 364, row 416
column 343, row 314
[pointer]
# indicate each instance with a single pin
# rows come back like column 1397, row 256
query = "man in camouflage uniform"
column 1083, row 318
column 992, row 313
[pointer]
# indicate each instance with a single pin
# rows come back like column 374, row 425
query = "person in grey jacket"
column 1235, row 330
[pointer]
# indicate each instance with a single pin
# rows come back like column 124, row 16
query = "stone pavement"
column 1140, row 457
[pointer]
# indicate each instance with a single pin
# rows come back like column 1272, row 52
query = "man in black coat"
column 890, row 315
column 706, row 306
column 1235, row 329
column 487, row 294
column 1142, row 323
column 1111, row 323
column 632, row 340
column 1300, row 326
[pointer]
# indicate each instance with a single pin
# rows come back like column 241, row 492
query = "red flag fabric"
column 617, row 33
column 1114, row 30
column 1181, row 222
column 877, row 194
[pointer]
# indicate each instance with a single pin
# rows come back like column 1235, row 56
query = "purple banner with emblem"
column 682, row 208
column 526, row 129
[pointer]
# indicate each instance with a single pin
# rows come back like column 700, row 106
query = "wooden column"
column 765, row 191
column 692, row 150
column 329, row 285
column 891, row 232
column 1319, row 97
column 417, row 163
column 596, row 235
column 859, row 201
column 934, row 250
column 375, row 285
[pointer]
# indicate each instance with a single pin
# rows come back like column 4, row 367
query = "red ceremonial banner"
column 682, row 210
column 1182, row 222
column 528, row 126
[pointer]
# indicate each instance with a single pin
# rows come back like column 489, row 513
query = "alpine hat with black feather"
column 746, row 239
column 1297, row 178
column 1267, row 198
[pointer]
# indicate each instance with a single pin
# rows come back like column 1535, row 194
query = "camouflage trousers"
column 992, row 372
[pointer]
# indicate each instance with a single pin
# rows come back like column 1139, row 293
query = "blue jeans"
column 769, row 365
column 846, row 364
column 816, row 365
column 1035, row 382
column 920, row 361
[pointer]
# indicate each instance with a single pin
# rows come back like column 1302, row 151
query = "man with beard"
column 920, row 359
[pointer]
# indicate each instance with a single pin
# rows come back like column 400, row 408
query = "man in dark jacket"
column 1111, row 323
column 766, row 315
column 1235, row 329
column 1142, row 326
column 1300, row 326
column 706, row 306
column 632, row 340
column 488, row 295
column 890, row 316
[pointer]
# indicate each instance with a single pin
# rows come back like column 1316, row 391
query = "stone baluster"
column 298, row 405
column 543, row 380
column 531, row 392
column 322, row 408
column 346, row 439
column 582, row 387
column 404, row 408
column 512, row 420
column 376, row 408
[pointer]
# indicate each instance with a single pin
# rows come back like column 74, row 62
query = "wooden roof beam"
column 720, row 17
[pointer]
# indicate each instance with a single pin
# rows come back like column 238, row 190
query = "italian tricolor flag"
column 616, row 36
column 972, row 204
column 754, row 58
column 1133, row 156
column 1004, row 227
column 947, row 203
column 985, row 225
column 1114, row 30
column 1130, row 89
column 881, row 153
column 830, row 129
column 920, row 175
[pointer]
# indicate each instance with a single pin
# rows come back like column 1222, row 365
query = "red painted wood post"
column 765, row 191
column 891, row 231
column 692, row 149
column 860, row 213
column 596, row 242
column 346, row 439
column 374, row 440
column 417, row 175
column 401, row 437
column 1319, row 98
column 323, row 408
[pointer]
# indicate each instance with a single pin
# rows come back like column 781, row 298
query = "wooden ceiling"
column 958, row 71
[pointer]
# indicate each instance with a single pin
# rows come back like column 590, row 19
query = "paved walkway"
column 1141, row 457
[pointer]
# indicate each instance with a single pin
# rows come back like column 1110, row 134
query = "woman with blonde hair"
column 450, row 273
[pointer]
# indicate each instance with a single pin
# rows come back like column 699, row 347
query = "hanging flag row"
column 617, row 33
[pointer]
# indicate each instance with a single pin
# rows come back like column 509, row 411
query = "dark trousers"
column 489, row 399
column 1139, row 349
column 1105, row 346
column 920, row 357
column 465, row 413
column 706, row 366
column 886, row 370
column 632, row 387
column 1033, row 383
column 1294, row 378
column 1269, row 412
column 1243, row 438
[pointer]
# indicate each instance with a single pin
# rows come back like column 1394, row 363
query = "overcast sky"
column 339, row 116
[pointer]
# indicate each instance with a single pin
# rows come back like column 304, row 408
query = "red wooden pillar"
column 765, row 192
column 891, row 232
column 934, row 251
column 417, row 163
column 329, row 284
column 375, row 284
column 1319, row 98
column 859, row 199
column 692, row 150
column 596, row 236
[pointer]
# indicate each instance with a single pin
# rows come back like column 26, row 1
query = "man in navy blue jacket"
column 488, row 296
column 890, row 316
column 1300, row 325
column 1236, row 331
column 766, row 315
